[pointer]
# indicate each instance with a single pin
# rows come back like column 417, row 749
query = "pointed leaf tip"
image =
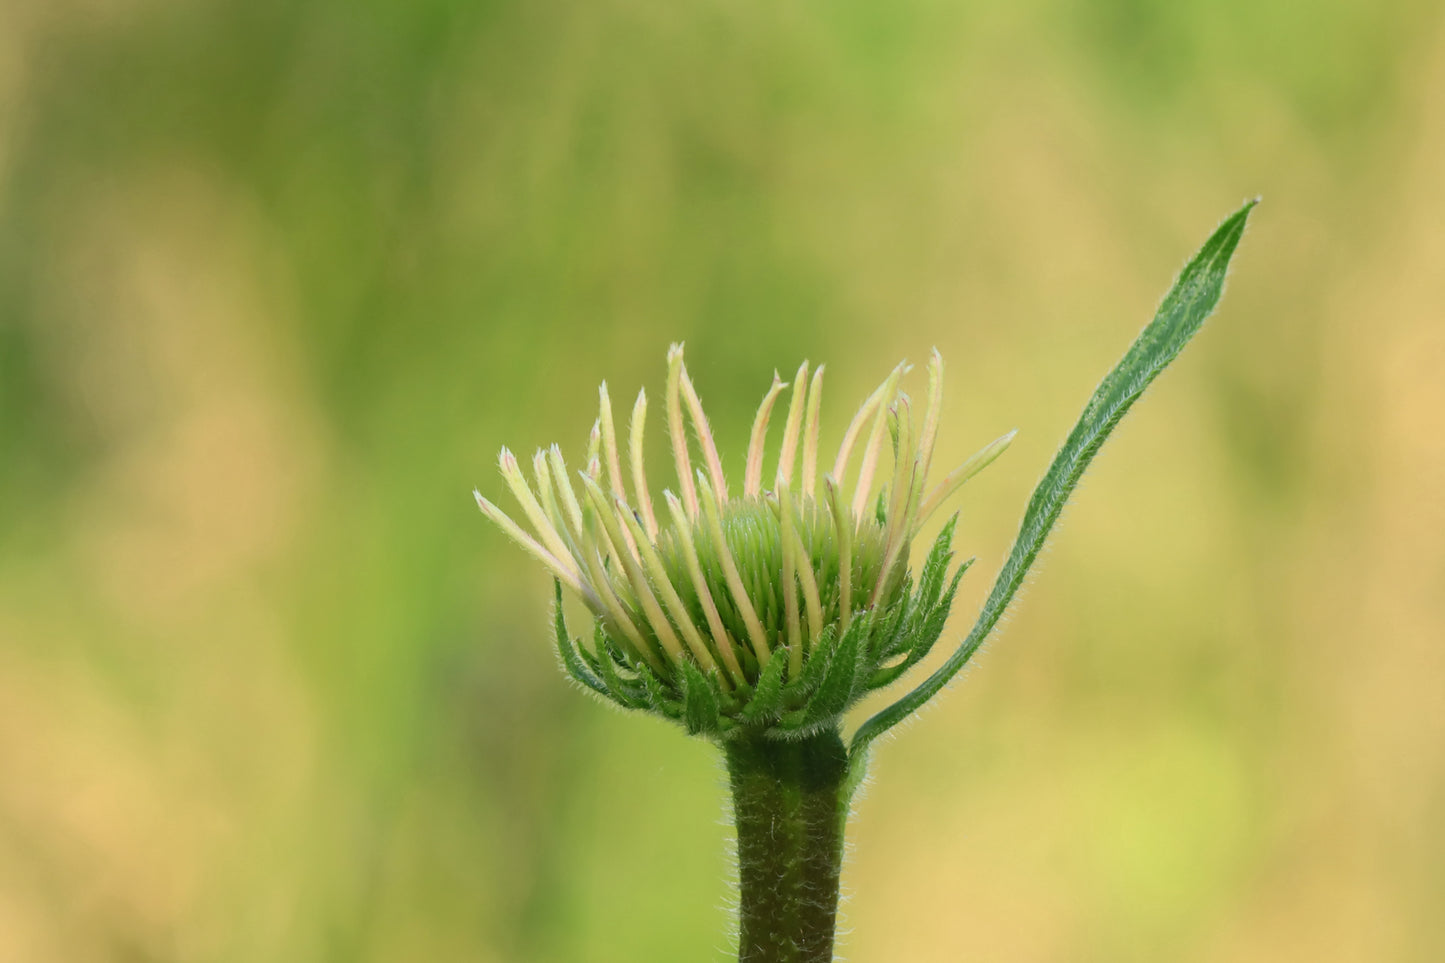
column 1190, row 300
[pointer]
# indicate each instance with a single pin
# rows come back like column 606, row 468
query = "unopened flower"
column 767, row 608
column 757, row 618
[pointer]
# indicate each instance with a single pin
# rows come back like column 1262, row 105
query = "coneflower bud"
column 758, row 618
column 771, row 610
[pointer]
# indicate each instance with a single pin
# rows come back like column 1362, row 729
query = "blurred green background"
column 277, row 279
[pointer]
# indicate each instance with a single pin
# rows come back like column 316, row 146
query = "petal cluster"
column 726, row 579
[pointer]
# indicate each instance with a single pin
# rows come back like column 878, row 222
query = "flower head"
column 771, row 608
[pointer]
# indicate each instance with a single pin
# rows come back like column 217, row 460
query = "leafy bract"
column 1183, row 310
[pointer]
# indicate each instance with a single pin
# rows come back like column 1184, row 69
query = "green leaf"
column 657, row 696
column 924, row 628
column 699, row 700
column 767, row 697
column 628, row 693
column 1192, row 299
column 835, row 691
column 799, row 690
column 890, row 631
column 930, row 627
column 935, row 569
column 567, row 650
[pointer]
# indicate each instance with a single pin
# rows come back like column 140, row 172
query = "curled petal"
column 704, row 436
column 609, row 442
column 534, row 548
column 931, row 418
column 517, row 482
column 860, row 418
column 564, row 486
column 753, row 476
column 639, row 471
column 976, row 463
column 676, row 430
column 810, row 432
column 788, row 454
column 899, row 525
column 875, row 445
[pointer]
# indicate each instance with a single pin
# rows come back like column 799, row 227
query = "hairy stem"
column 790, row 807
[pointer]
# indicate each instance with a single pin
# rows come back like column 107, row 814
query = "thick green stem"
column 790, row 808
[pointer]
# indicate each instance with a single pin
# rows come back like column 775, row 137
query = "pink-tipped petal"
column 548, row 535
column 899, row 523
column 976, row 463
column 704, row 436
column 875, row 445
column 788, row 454
column 594, row 444
column 639, row 471
column 753, row 476
column 609, row 443
column 810, row 433
column 547, row 495
column 860, row 418
column 532, row 547
column 931, row 418
column 676, row 430
column 564, row 486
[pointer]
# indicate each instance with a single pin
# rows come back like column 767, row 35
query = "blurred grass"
column 278, row 279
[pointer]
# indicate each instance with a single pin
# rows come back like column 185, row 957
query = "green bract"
column 769, row 611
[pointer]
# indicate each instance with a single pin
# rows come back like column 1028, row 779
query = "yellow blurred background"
column 277, row 279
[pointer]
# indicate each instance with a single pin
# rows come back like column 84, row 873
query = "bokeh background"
column 278, row 278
